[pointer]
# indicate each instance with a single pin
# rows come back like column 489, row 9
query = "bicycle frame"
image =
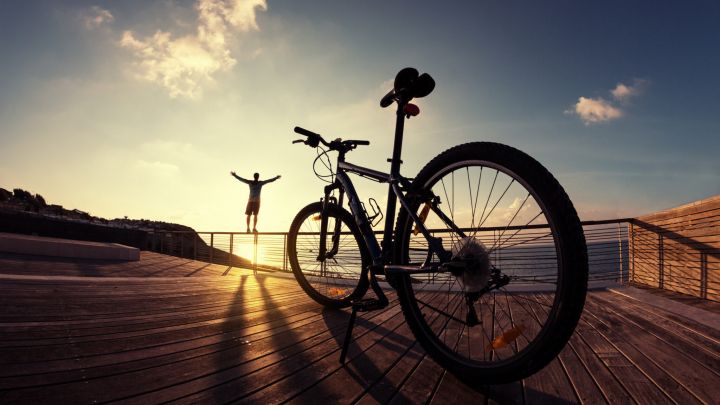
column 381, row 252
column 429, row 304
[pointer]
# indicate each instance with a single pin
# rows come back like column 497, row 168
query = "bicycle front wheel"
column 516, row 289
column 334, row 281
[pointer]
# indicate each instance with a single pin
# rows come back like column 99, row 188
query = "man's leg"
column 255, row 223
column 247, row 222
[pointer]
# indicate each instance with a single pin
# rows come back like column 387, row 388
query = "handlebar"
column 303, row 131
column 314, row 140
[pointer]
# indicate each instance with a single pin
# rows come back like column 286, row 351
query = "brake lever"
column 298, row 141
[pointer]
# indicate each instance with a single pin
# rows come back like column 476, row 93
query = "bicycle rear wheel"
column 336, row 281
column 517, row 296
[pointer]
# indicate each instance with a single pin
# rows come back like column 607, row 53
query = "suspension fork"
column 323, row 253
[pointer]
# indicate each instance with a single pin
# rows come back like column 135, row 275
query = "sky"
column 141, row 109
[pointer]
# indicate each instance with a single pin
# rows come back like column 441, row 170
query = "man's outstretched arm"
column 271, row 180
column 240, row 178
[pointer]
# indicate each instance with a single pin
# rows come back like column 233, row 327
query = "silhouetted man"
column 253, row 204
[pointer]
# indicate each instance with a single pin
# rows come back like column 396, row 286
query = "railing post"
column 255, row 243
column 212, row 242
column 231, row 250
column 703, row 275
column 631, row 252
column 661, row 262
column 621, row 253
column 285, row 252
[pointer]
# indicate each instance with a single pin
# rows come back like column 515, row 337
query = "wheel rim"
column 503, row 213
column 335, row 278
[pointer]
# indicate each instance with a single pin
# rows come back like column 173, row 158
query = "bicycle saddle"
column 409, row 84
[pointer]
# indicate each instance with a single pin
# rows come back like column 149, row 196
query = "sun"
column 248, row 250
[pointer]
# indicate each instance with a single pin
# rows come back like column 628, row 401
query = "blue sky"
column 142, row 108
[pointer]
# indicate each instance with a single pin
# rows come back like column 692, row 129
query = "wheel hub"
column 470, row 263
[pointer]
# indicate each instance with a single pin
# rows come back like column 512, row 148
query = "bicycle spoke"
column 477, row 194
column 452, row 213
column 497, row 172
column 495, row 246
column 513, row 217
column 482, row 221
column 427, row 304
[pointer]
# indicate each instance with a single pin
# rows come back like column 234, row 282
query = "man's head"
column 256, row 176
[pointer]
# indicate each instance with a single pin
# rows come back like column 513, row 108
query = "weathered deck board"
column 169, row 329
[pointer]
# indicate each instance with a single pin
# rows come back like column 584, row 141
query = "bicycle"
column 491, row 294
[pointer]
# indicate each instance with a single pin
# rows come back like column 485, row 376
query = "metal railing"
column 607, row 242
column 263, row 251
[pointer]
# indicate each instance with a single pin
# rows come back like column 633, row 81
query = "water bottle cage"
column 377, row 214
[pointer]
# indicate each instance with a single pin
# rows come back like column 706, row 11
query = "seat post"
column 397, row 146
column 394, row 174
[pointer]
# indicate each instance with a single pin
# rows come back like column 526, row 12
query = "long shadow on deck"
column 283, row 337
column 360, row 366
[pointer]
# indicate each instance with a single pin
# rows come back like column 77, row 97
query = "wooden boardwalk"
column 169, row 329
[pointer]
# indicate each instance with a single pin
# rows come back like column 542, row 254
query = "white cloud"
column 593, row 111
column 598, row 110
column 95, row 17
column 184, row 65
column 623, row 92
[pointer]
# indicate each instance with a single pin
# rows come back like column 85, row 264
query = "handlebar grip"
column 387, row 99
column 362, row 142
column 303, row 131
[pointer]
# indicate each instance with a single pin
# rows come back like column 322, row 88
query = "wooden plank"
column 113, row 363
column 551, row 384
column 624, row 372
column 612, row 391
column 702, row 336
column 701, row 220
column 43, row 332
column 664, row 364
column 655, row 372
column 451, row 390
column 289, row 386
column 421, row 383
column 214, row 339
column 349, row 383
column 708, row 204
column 224, row 383
column 131, row 383
column 660, row 335
column 122, row 341
column 387, row 387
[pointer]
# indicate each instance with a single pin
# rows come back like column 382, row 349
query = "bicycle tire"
column 562, row 309
column 334, row 283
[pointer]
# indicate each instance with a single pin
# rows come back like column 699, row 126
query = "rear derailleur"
column 497, row 280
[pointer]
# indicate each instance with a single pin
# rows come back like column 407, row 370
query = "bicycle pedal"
column 367, row 304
